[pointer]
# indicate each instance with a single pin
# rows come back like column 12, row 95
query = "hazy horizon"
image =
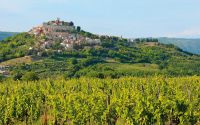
column 127, row 18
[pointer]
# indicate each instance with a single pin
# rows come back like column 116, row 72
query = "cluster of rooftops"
column 54, row 30
column 4, row 70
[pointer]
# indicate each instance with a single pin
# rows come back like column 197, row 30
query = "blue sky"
column 127, row 18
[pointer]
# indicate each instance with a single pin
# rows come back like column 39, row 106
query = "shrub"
column 17, row 76
column 30, row 76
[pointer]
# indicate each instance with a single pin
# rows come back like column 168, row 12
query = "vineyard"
column 87, row 101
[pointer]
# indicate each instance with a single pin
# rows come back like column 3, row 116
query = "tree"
column 74, row 61
column 1, row 77
column 17, row 76
column 71, row 23
column 30, row 76
column 69, row 74
column 78, row 28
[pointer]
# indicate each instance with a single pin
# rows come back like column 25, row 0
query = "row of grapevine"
column 87, row 101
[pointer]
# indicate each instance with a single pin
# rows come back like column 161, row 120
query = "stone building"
column 52, row 27
column 58, row 26
column 4, row 70
column 93, row 41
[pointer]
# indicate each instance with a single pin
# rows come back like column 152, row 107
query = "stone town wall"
column 58, row 28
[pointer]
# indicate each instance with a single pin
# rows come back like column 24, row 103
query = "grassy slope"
column 17, row 61
column 125, row 67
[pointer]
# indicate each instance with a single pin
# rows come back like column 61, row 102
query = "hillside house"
column 45, row 44
column 4, row 70
column 37, row 30
column 93, row 41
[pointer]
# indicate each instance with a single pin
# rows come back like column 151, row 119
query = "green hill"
column 113, row 57
column 189, row 45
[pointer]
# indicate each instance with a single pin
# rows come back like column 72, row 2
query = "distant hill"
column 189, row 45
column 4, row 35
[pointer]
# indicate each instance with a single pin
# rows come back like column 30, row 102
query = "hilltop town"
column 57, row 48
column 63, row 32
column 54, row 35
